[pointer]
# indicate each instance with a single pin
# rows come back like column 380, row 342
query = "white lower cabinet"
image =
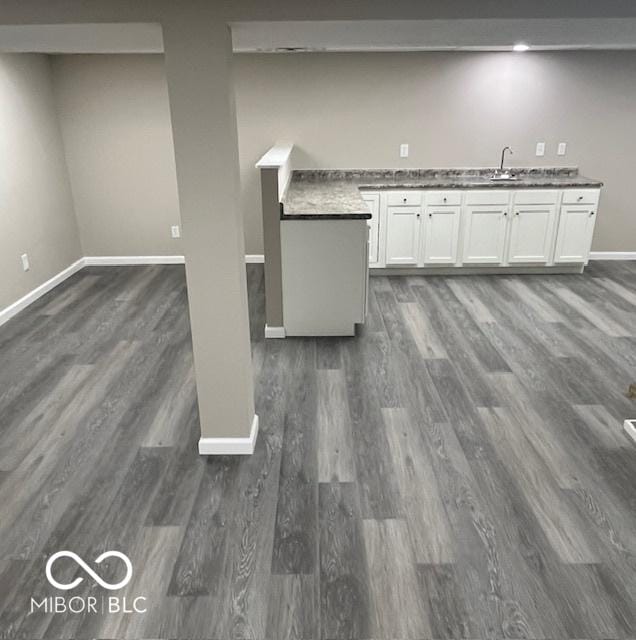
column 574, row 236
column 484, row 234
column 485, row 227
column 441, row 234
column 531, row 233
column 402, row 235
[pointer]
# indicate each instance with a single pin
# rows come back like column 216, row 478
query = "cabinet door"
column 402, row 235
column 484, row 234
column 531, row 233
column 373, row 201
column 574, row 237
column 440, row 235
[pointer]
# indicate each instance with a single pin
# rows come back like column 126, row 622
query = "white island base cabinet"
column 325, row 276
column 487, row 230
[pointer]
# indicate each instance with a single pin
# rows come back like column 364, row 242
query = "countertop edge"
column 363, row 215
column 325, row 216
column 517, row 184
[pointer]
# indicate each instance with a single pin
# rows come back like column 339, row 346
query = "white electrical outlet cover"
column 540, row 148
column 25, row 261
column 562, row 148
column 404, row 151
column 176, row 233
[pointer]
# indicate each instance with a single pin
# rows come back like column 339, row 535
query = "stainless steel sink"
column 501, row 174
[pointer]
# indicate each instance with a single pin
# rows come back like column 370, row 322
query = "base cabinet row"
column 517, row 230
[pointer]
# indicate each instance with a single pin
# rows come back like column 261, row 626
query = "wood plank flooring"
column 457, row 470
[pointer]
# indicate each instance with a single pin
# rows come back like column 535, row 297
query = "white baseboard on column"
column 630, row 428
column 230, row 446
column 274, row 332
column 8, row 312
column 613, row 255
column 254, row 258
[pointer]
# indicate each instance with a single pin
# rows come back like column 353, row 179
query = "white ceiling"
column 362, row 35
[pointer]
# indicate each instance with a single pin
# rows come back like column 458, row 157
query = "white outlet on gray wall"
column 25, row 262
column 540, row 148
column 175, row 231
column 404, row 151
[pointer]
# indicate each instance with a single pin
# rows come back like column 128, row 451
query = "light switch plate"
column 404, row 151
column 540, row 148
column 175, row 231
column 562, row 148
column 25, row 262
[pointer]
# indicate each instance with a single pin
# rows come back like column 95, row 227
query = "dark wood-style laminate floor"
column 458, row 470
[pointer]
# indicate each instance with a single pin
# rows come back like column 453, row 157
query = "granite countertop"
column 337, row 194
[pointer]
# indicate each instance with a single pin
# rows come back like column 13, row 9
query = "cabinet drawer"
column 440, row 198
column 406, row 198
column 493, row 196
column 536, row 196
column 580, row 196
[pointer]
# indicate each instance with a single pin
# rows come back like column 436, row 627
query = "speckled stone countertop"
column 336, row 194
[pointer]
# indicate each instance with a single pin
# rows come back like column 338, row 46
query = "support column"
column 198, row 58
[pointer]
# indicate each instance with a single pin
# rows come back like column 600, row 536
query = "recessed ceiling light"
column 520, row 46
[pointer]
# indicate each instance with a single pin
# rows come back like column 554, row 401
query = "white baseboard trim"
column 230, row 446
column 132, row 260
column 96, row 261
column 8, row 312
column 613, row 255
column 274, row 332
column 254, row 258
column 108, row 261
column 630, row 428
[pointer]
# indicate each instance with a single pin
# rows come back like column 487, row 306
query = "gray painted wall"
column 347, row 110
column 115, row 120
column 36, row 206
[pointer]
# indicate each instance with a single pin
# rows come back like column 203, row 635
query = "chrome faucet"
column 501, row 165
